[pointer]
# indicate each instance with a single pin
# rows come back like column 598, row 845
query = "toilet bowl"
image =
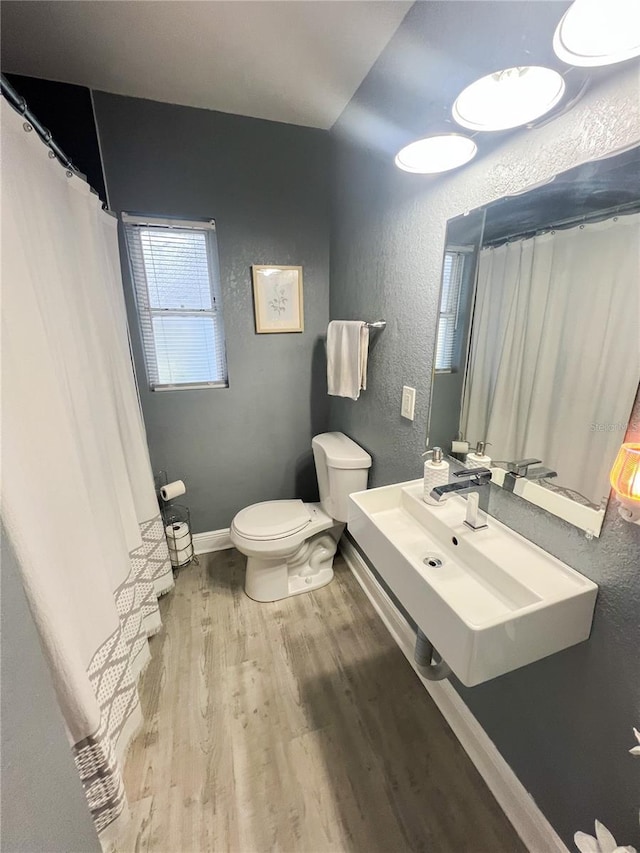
column 289, row 544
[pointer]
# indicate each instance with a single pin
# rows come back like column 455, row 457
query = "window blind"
column 452, row 271
column 176, row 277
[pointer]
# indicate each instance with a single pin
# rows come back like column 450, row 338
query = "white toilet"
column 290, row 545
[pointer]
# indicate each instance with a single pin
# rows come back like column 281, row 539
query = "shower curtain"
column 77, row 494
column 554, row 362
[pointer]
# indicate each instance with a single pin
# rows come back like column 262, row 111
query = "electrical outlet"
column 408, row 406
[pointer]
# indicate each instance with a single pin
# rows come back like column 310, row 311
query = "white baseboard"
column 528, row 821
column 212, row 540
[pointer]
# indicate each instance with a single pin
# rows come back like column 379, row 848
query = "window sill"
column 189, row 386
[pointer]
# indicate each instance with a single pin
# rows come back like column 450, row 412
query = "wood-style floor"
column 296, row 727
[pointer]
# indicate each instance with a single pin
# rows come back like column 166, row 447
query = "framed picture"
column 277, row 294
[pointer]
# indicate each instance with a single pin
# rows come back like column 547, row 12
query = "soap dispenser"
column 436, row 473
column 478, row 458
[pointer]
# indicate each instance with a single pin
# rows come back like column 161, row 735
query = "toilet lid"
column 272, row 519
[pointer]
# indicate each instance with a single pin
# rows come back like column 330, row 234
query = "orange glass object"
column 625, row 474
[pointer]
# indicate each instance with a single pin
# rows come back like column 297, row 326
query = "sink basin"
column 489, row 600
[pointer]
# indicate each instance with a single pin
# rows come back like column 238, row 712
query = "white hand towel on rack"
column 347, row 355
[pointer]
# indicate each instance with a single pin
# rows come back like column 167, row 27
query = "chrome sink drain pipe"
column 423, row 655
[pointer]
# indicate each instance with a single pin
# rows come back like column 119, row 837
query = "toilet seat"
column 271, row 520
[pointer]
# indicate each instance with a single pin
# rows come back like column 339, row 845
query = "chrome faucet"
column 541, row 473
column 519, row 470
column 468, row 479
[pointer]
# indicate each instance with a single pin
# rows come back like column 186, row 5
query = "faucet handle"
column 480, row 473
column 520, row 468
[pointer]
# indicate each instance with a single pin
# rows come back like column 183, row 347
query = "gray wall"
column 266, row 185
column 563, row 724
column 44, row 809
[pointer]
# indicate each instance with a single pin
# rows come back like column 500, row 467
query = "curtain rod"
column 19, row 103
column 594, row 216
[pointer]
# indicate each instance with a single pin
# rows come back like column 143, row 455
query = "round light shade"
column 625, row 474
column 598, row 32
column 438, row 153
column 508, row 98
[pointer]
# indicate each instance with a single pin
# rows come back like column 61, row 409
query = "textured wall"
column 43, row 804
column 266, row 185
column 563, row 724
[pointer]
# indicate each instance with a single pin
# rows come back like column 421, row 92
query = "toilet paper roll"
column 173, row 490
column 179, row 558
column 177, row 534
column 188, row 549
column 179, row 544
column 459, row 446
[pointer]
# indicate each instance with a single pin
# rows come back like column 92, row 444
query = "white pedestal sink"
column 490, row 601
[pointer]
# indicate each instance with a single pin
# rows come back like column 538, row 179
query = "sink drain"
column 433, row 561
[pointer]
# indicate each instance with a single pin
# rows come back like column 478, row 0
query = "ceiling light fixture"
column 593, row 33
column 509, row 98
column 438, row 153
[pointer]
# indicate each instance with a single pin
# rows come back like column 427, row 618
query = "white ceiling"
column 296, row 62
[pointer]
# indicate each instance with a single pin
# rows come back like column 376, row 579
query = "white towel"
column 347, row 353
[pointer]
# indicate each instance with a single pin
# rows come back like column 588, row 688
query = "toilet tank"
column 342, row 467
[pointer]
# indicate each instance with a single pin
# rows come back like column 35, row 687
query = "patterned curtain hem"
column 114, row 672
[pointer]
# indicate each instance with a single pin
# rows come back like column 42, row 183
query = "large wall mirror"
column 538, row 345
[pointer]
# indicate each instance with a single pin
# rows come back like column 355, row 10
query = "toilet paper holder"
column 177, row 527
column 176, row 519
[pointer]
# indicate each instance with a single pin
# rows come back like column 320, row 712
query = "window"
column 452, row 272
column 176, row 277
